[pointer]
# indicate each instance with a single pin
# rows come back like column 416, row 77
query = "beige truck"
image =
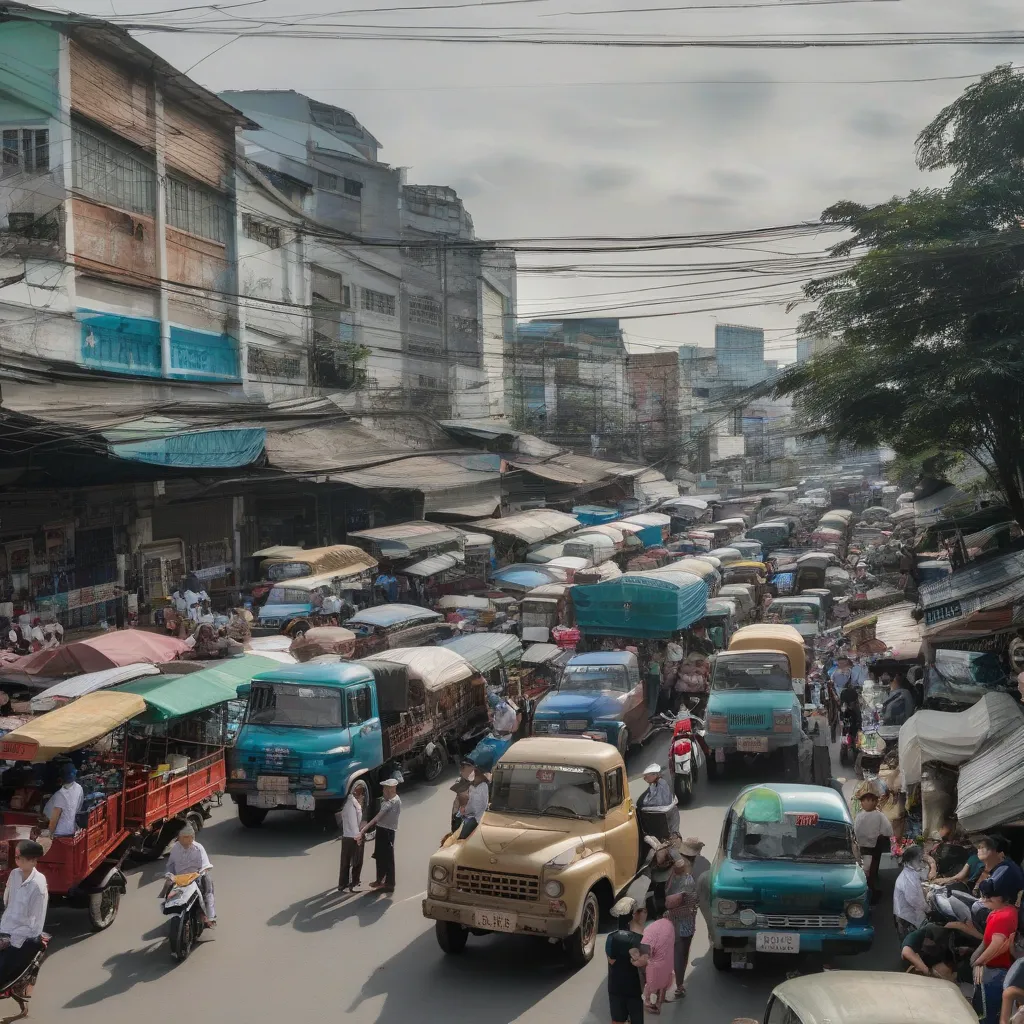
column 557, row 846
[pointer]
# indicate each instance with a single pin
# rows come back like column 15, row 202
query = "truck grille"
column 748, row 721
column 270, row 763
column 803, row 921
column 497, row 884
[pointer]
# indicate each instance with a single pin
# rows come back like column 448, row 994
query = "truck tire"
column 195, row 819
column 716, row 769
column 623, row 742
column 103, row 908
column 452, row 938
column 581, row 944
column 251, row 817
column 684, row 789
column 721, row 958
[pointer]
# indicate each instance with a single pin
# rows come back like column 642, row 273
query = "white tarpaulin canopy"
column 990, row 790
column 435, row 667
column 533, row 526
column 78, row 686
column 955, row 737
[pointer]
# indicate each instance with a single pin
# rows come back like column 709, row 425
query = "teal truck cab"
column 753, row 706
column 786, row 878
column 311, row 730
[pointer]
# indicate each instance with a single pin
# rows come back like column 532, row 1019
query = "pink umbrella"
column 109, row 650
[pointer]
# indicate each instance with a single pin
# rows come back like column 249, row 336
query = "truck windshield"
column 751, row 672
column 288, row 595
column 824, row 842
column 792, row 614
column 595, row 677
column 554, row 790
column 294, row 706
column 288, row 571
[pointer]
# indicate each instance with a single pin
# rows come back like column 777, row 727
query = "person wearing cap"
column 351, row 862
column 658, row 797
column 26, row 899
column 995, row 956
column 386, row 823
column 626, row 954
column 873, row 830
column 899, row 705
column 61, row 810
column 188, row 857
column 681, row 907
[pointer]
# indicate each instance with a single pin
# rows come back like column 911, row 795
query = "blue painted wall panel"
column 29, row 66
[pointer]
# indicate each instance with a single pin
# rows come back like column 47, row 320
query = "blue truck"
column 310, row 731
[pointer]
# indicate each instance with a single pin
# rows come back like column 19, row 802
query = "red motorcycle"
column 689, row 754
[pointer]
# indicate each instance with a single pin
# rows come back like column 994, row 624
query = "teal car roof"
column 340, row 674
column 796, row 799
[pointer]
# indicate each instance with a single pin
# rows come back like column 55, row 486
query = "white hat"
column 390, row 782
column 626, row 907
column 653, row 769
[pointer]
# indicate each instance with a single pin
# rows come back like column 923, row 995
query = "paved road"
column 288, row 946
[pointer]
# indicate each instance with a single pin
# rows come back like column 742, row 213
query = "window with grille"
column 327, row 181
column 26, row 150
column 378, row 302
column 352, row 188
column 424, row 310
column 431, row 383
column 106, row 170
column 197, row 210
column 258, row 231
column 330, row 296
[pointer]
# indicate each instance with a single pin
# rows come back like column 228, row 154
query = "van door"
column 634, row 707
column 620, row 830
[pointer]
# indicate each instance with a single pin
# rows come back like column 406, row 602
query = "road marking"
column 416, row 897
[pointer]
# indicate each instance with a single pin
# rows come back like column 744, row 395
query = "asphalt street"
column 289, row 947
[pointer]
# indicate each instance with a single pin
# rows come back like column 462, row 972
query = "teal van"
column 309, row 732
column 786, row 878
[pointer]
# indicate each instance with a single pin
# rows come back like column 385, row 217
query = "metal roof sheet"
column 533, row 526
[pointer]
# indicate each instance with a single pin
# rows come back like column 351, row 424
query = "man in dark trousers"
column 626, row 955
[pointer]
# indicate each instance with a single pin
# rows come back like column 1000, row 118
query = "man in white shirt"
column 189, row 858
column 25, row 901
column 61, row 810
column 351, row 866
column 908, row 902
column 873, row 830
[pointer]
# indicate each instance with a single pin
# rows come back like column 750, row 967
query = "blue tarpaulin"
column 640, row 604
column 594, row 515
column 204, row 449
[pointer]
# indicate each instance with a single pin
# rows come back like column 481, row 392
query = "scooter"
column 184, row 904
column 689, row 755
column 20, row 990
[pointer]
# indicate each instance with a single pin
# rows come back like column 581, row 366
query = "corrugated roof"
column 435, row 564
column 327, row 448
column 980, row 587
column 990, row 789
column 533, row 526
column 443, row 482
column 407, row 538
column 486, row 651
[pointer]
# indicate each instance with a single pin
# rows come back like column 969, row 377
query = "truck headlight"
column 319, row 781
column 439, row 892
column 238, row 773
column 343, row 751
column 439, row 873
column 553, row 888
column 855, row 910
column 725, row 908
column 748, row 918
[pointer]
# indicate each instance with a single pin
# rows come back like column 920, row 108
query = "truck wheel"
column 434, row 762
column 103, row 908
column 716, row 769
column 251, row 817
column 623, row 742
column 721, row 958
column 791, row 764
column 451, row 937
column 581, row 944
column 195, row 819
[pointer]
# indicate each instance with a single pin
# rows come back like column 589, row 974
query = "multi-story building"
column 567, row 382
column 408, row 307
column 117, row 206
column 739, row 354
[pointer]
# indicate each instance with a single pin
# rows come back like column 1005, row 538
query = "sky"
column 559, row 140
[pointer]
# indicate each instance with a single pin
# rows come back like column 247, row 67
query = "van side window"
column 357, row 701
column 780, row 1013
column 613, row 787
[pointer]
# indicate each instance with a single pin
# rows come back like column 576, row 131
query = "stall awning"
column 487, row 651
column 201, row 449
column 949, row 603
column 533, row 526
column 435, row 564
column 990, row 789
column 72, row 727
column 79, row 686
column 169, row 697
column 404, row 539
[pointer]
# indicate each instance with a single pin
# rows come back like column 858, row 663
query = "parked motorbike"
column 946, row 904
column 689, row 754
column 184, row 904
column 20, row 990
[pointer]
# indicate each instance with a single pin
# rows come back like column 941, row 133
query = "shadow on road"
column 326, row 909
column 520, row 973
column 126, row 970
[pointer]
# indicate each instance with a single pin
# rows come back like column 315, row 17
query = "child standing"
column 681, row 907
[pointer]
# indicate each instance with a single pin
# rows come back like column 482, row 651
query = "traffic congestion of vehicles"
column 540, row 684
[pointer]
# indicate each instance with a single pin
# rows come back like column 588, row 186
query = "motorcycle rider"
column 189, row 858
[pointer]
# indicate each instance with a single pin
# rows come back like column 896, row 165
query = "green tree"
column 925, row 301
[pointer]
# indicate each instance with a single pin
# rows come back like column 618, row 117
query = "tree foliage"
column 925, row 301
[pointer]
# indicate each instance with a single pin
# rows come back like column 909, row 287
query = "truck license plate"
column 752, row 744
column 494, row 920
column 305, row 802
column 274, row 783
column 778, row 942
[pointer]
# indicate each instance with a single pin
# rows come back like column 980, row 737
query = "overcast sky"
column 553, row 140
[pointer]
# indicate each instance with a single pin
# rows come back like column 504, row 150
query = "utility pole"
column 450, row 375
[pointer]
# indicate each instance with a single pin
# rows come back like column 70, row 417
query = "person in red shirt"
column 995, row 955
